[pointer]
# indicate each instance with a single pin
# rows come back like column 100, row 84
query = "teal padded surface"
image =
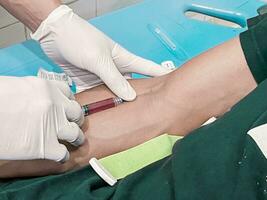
column 24, row 59
column 159, row 30
column 155, row 29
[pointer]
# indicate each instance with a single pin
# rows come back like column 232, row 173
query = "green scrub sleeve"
column 254, row 45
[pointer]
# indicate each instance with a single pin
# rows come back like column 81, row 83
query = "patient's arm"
column 178, row 103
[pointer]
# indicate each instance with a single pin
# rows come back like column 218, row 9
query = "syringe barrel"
column 101, row 105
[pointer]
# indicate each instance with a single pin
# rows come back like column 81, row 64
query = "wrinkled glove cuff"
column 43, row 29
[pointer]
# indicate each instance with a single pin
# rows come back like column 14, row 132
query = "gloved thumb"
column 115, row 81
column 128, row 62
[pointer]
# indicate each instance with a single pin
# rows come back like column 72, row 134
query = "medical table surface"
column 155, row 29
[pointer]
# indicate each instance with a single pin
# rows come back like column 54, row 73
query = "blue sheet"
column 155, row 29
column 136, row 27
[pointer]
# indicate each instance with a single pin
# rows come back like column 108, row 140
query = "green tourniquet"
column 127, row 162
column 215, row 162
column 254, row 45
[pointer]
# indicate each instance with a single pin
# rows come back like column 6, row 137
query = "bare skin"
column 30, row 12
column 177, row 103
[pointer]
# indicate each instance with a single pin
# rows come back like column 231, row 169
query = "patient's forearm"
column 178, row 103
column 207, row 86
column 214, row 81
column 120, row 128
column 218, row 78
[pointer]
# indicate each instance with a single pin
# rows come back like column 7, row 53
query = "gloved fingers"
column 115, row 81
column 147, row 67
column 128, row 62
column 64, row 88
column 58, row 153
column 72, row 134
column 74, row 112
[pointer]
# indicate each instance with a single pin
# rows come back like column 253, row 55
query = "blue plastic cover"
column 154, row 29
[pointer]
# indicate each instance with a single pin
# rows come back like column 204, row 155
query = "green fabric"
column 215, row 162
column 254, row 45
column 255, row 20
column 262, row 10
column 127, row 162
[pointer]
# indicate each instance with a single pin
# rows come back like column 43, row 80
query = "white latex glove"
column 88, row 56
column 34, row 115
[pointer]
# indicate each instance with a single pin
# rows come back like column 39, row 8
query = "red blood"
column 101, row 105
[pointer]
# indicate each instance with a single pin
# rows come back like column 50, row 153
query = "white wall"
column 12, row 31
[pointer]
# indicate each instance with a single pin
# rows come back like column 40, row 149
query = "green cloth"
column 254, row 45
column 127, row 162
column 215, row 162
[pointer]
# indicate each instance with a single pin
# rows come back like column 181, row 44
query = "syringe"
column 101, row 105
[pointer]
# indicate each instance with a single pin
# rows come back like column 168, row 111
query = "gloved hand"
column 88, row 56
column 34, row 115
